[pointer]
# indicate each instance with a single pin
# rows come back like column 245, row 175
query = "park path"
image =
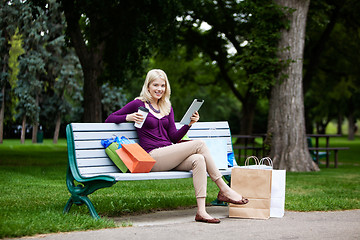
column 180, row 225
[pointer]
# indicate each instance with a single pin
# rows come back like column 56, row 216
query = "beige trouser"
column 186, row 156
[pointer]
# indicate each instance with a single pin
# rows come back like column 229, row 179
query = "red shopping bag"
column 136, row 159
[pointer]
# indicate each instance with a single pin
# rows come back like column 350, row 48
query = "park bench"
column 90, row 169
column 318, row 153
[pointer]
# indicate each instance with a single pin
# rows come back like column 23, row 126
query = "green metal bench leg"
column 81, row 200
column 90, row 206
column 68, row 205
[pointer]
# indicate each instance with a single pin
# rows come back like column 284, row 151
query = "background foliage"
column 217, row 50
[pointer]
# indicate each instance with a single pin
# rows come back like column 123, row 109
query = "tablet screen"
column 195, row 106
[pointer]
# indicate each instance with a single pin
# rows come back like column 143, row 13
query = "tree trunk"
column 351, row 124
column 339, row 124
column 57, row 128
column 35, row 124
column 248, row 112
column 34, row 132
column 286, row 123
column 2, row 111
column 92, row 95
column 23, row 130
column 91, row 63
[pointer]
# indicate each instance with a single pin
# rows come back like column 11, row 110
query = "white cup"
column 144, row 112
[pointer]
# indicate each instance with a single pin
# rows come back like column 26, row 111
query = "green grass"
column 34, row 193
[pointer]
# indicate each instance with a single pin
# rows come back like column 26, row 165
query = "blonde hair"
column 145, row 96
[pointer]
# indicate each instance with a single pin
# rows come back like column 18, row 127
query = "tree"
column 331, row 63
column 9, row 12
column 286, row 123
column 32, row 66
column 111, row 38
column 241, row 40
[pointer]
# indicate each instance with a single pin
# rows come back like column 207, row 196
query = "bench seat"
column 153, row 175
column 90, row 166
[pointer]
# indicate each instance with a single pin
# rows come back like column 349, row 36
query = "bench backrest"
column 90, row 155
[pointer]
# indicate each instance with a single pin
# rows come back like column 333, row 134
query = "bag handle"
column 266, row 159
column 256, row 160
column 126, row 140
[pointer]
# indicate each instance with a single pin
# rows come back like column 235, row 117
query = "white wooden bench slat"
column 102, row 135
column 99, row 170
column 93, row 162
column 206, row 133
column 130, row 126
column 151, row 175
column 93, row 153
column 92, row 144
column 205, row 125
column 146, row 176
column 96, row 144
column 86, row 127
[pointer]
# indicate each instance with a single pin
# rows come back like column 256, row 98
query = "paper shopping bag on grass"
column 136, row 159
column 255, row 185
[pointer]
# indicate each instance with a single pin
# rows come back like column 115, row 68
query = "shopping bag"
column 136, row 159
column 254, row 184
column 257, row 163
column 218, row 151
column 278, row 182
column 107, row 142
column 231, row 159
column 111, row 152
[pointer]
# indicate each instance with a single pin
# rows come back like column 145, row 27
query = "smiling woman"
column 160, row 138
column 156, row 92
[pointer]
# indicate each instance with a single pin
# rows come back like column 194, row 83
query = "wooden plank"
column 152, row 175
column 93, row 153
column 209, row 133
column 103, row 170
column 91, row 127
column 146, row 176
column 92, row 144
column 97, row 135
column 206, row 125
column 93, row 162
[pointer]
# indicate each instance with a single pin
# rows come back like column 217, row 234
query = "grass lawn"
column 34, row 193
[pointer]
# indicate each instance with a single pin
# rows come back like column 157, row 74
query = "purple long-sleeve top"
column 155, row 132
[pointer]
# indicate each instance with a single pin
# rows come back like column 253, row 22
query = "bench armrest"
column 72, row 165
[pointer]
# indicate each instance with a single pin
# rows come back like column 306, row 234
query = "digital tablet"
column 195, row 106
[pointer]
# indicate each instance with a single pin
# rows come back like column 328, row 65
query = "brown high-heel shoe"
column 199, row 218
column 223, row 198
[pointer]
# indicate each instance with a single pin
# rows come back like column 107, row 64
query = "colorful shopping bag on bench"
column 111, row 145
column 136, row 159
column 254, row 184
column 111, row 152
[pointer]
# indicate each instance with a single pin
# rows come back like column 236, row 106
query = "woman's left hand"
column 194, row 118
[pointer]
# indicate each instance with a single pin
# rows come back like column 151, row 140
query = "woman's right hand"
column 135, row 117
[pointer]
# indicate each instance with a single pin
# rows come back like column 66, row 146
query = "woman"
column 159, row 137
